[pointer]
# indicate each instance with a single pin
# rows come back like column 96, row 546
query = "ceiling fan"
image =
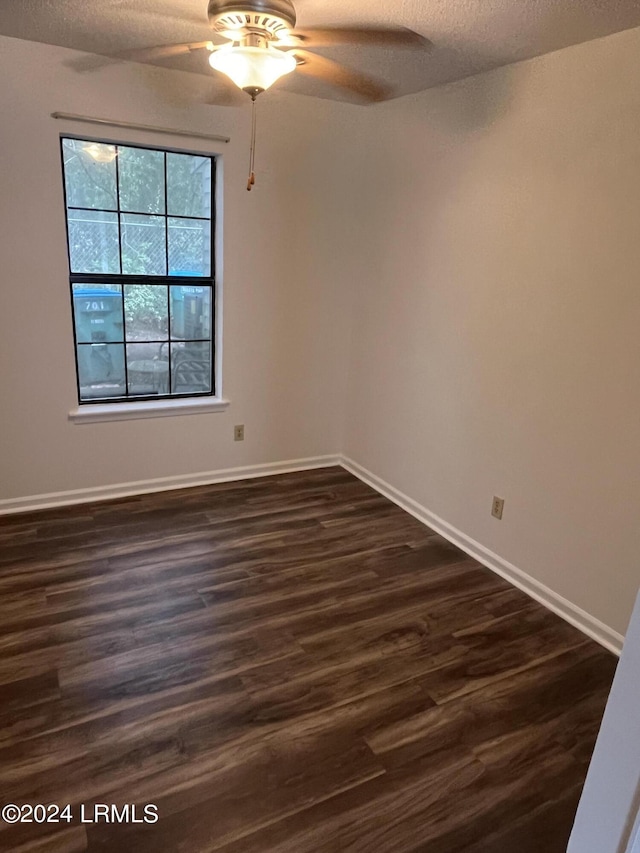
column 259, row 44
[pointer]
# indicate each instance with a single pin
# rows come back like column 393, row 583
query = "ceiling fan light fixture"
column 252, row 69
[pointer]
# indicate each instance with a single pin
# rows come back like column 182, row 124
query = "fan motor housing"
column 273, row 17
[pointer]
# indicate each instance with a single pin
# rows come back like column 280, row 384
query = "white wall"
column 283, row 327
column 496, row 344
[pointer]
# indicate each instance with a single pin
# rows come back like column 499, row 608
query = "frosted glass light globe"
column 252, row 69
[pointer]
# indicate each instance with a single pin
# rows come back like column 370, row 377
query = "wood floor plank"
column 289, row 663
column 282, row 777
column 549, row 693
column 545, row 828
column 36, row 838
column 23, row 693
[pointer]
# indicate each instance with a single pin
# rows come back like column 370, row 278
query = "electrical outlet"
column 497, row 508
column 238, row 432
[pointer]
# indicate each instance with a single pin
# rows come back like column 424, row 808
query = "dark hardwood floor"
column 289, row 663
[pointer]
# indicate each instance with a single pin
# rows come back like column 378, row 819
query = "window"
column 140, row 227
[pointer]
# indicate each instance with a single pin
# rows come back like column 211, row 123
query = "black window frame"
column 123, row 279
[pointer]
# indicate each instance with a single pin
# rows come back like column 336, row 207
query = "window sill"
column 98, row 412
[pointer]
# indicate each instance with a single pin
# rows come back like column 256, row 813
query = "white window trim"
column 99, row 412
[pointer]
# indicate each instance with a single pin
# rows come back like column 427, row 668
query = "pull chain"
column 252, row 152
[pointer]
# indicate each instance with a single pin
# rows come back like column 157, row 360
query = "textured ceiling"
column 468, row 36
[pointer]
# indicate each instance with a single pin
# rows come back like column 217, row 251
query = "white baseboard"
column 573, row 614
column 162, row 484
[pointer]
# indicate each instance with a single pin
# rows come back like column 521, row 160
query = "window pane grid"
column 136, row 213
column 143, row 323
column 117, row 361
column 161, row 243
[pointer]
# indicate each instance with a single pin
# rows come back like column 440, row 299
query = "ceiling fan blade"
column 370, row 37
column 93, row 62
column 338, row 75
column 162, row 51
column 90, row 62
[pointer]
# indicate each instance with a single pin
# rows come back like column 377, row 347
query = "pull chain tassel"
column 252, row 153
